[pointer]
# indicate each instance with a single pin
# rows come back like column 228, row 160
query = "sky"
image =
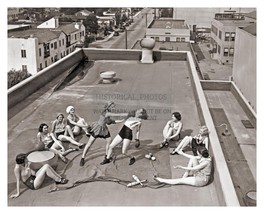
column 134, row 3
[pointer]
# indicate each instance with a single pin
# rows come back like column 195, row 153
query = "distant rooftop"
column 168, row 24
column 252, row 29
column 252, row 15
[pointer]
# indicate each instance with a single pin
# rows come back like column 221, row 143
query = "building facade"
column 223, row 34
column 36, row 49
column 244, row 66
column 168, row 30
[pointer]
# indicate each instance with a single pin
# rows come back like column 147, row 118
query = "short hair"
column 144, row 114
column 205, row 130
column 60, row 114
column 177, row 115
column 20, row 158
column 41, row 126
column 203, row 151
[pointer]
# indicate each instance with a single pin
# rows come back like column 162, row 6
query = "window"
column 55, row 45
column 24, row 68
column 156, row 39
column 167, row 39
column 51, row 45
column 46, row 64
column 39, row 51
column 182, row 39
column 40, row 66
column 75, row 36
column 59, row 43
column 220, row 34
column 178, row 39
column 219, row 49
column 233, row 35
column 62, row 41
column 56, row 58
column 231, row 52
column 23, row 54
column 227, row 35
column 225, row 51
column 61, row 55
column 51, row 59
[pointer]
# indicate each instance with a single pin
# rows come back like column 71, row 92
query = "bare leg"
column 117, row 140
column 108, row 141
column 69, row 139
column 88, row 145
column 83, row 122
column 68, row 131
column 187, row 181
column 185, row 141
column 41, row 174
column 126, row 143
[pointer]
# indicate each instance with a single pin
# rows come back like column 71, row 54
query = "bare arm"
column 177, row 133
column 197, row 167
column 138, row 131
column 206, row 143
column 111, row 114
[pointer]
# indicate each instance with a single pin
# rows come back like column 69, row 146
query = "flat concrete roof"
column 161, row 88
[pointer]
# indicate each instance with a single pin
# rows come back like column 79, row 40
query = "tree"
column 118, row 17
column 91, row 24
column 15, row 77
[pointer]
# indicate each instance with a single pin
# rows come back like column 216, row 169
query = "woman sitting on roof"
column 172, row 129
column 198, row 171
column 31, row 178
column 51, row 143
column 76, row 122
column 63, row 132
column 201, row 139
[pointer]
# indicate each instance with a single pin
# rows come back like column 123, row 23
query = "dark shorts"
column 59, row 133
column 126, row 133
column 195, row 146
column 30, row 182
column 50, row 145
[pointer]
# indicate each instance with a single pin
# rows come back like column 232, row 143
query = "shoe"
column 105, row 161
column 62, row 181
column 162, row 145
column 166, row 144
column 174, row 152
column 81, row 146
column 87, row 134
column 132, row 161
column 82, row 162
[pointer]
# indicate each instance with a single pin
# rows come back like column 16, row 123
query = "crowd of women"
column 197, row 172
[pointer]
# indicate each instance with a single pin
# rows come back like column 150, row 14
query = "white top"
column 132, row 122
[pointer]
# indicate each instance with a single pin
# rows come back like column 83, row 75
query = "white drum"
column 39, row 158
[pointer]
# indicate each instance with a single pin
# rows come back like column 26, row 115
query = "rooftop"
column 168, row 24
column 137, row 85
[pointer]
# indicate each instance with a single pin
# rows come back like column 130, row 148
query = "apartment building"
column 168, row 30
column 245, row 62
column 38, row 48
column 223, row 35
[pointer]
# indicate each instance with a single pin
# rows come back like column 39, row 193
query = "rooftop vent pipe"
column 147, row 45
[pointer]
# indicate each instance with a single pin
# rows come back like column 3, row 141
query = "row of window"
column 53, row 59
column 229, row 36
column 168, row 39
column 226, row 52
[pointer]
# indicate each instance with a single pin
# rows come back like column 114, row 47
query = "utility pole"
column 126, row 36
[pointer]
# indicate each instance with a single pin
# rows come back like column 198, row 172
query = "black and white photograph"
column 131, row 105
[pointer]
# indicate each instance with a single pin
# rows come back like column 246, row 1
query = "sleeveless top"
column 59, row 127
column 207, row 169
column 199, row 138
column 46, row 139
column 132, row 122
column 174, row 125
